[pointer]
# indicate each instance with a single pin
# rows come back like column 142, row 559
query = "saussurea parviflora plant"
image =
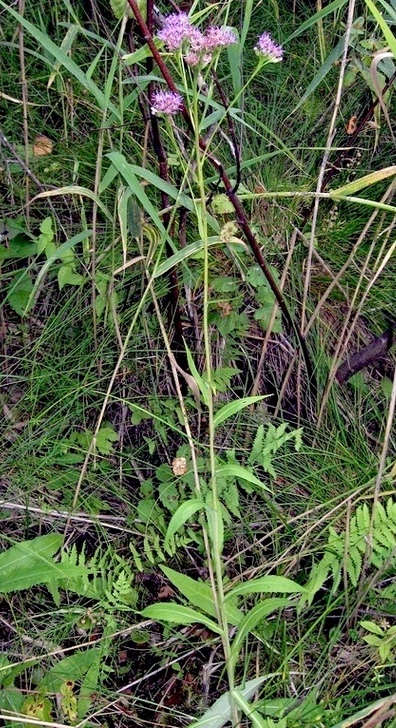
column 189, row 48
column 187, row 63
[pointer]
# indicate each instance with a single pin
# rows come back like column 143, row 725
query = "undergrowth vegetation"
column 197, row 237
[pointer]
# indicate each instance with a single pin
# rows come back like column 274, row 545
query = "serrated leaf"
column 28, row 563
column 177, row 614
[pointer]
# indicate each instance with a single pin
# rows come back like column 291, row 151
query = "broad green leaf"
column 183, row 513
column 173, row 612
column 220, row 712
column 73, row 667
column 19, row 292
column 266, row 585
column 64, row 60
column 55, row 255
column 67, row 276
column 238, row 471
column 232, row 408
column 200, row 595
column 372, row 627
column 369, row 179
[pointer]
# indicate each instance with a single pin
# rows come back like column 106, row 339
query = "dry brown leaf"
column 351, row 125
column 42, row 146
column 179, row 466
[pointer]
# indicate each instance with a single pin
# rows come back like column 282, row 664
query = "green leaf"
column 238, row 471
column 31, row 563
column 222, row 205
column 56, row 254
column 200, row 595
column 230, row 409
column 267, row 584
column 173, row 612
column 388, row 35
column 322, row 73
column 252, row 618
column 330, row 8
column 187, row 252
column 105, row 439
column 372, row 627
column 65, row 60
column 20, row 291
column 179, row 518
column 28, row 563
column 67, row 276
column 221, row 711
column 72, row 668
column 366, row 181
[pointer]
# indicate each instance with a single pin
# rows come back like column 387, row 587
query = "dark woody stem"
column 241, row 218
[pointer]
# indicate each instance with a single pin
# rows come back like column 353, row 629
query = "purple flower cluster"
column 267, row 49
column 177, row 30
column 166, row 102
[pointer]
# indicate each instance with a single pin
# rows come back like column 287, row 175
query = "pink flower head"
column 166, row 102
column 219, row 38
column 269, row 50
column 176, row 28
column 192, row 58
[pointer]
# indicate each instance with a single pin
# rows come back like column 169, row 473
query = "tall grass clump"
column 198, row 384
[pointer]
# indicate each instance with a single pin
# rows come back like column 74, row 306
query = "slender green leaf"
column 126, row 170
column 333, row 56
column 266, row 585
column 369, row 179
column 250, row 711
column 238, row 471
column 232, row 408
column 252, row 618
column 177, row 614
column 183, row 513
column 330, row 8
column 64, row 60
column 184, row 253
column 388, row 35
column 74, row 190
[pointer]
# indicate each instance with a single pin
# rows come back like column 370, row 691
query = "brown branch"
column 368, row 355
